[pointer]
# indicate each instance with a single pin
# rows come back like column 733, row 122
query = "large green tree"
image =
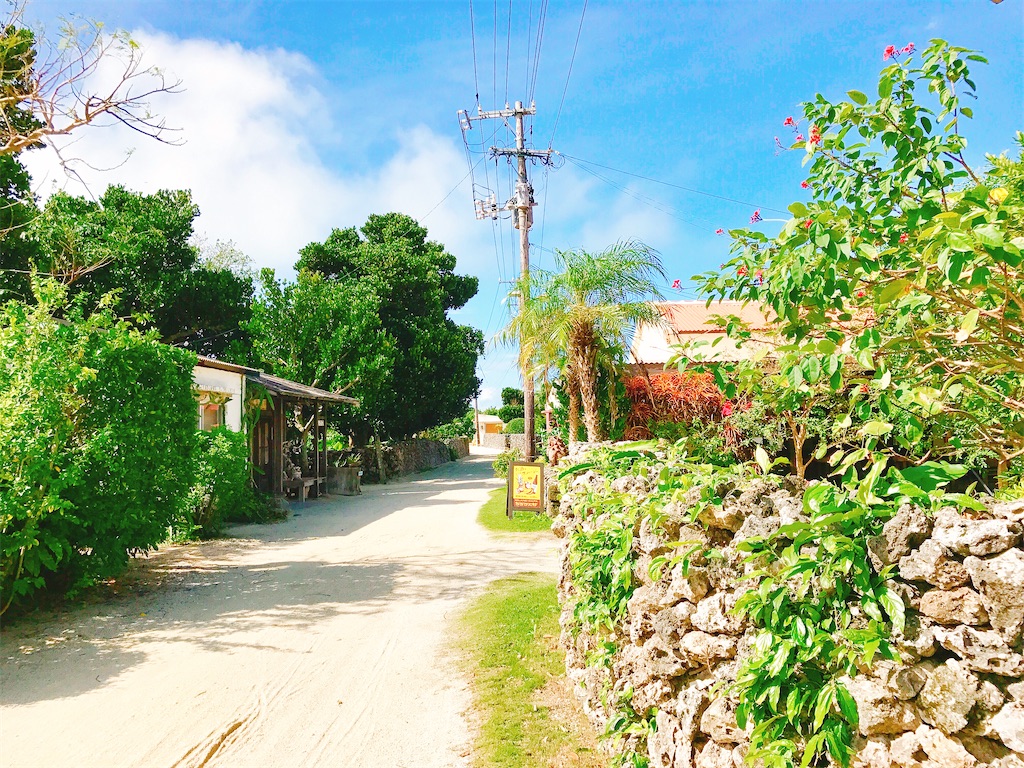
column 139, row 247
column 433, row 376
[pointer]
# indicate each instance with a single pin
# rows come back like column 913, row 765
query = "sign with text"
column 525, row 487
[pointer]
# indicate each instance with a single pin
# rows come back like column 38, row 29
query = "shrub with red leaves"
column 672, row 397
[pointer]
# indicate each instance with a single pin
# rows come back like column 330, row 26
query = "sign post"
column 525, row 487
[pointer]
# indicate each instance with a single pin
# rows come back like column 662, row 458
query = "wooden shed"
column 280, row 400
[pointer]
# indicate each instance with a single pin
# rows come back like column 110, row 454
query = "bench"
column 300, row 485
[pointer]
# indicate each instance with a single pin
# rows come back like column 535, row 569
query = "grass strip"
column 493, row 517
column 509, row 635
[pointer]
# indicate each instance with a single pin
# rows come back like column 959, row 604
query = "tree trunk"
column 586, row 355
column 574, row 409
column 798, row 432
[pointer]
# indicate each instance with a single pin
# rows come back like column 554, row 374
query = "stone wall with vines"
column 718, row 617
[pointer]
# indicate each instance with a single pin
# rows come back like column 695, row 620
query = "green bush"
column 515, row 427
column 463, row 426
column 97, row 432
column 223, row 489
column 505, row 458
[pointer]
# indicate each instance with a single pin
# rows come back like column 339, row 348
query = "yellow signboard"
column 525, row 487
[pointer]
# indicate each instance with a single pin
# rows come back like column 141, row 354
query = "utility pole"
column 521, row 203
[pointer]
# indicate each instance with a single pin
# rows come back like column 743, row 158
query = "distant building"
column 220, row 390
column 686, row 321
column 488, row 425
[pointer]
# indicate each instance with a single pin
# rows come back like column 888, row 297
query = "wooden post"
column 277, row 434
column 380, row 455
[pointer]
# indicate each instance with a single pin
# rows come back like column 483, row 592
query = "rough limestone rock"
column 906, row 530
column 1009, row 725
column 1016, row 691
column 953, row 606
column 906, row 751
column 990, row 698
column 712, row 616
column 947, row 696
column 727, row 517
column 984, row 750
column 904, row 682
column 943, row 750
column 719, row 722
column 918, row 637
column 714, row 755
column 1000, row 580
column 672, row 623
column 692, row 586
column 879, row 712
column 982, row 650
column 703, row 649
column 758, row 527
column 677, row 724
column 932, row 562
column 974, row 537
column 872, row 753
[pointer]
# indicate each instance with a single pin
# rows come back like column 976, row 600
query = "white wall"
column 223, row 382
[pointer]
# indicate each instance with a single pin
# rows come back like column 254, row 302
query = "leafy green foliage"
column 515, row 427
column 501, row 463
column 903, row 275
column 222, row 488
column 433, row 360
column 463, row 426
column 97, row 430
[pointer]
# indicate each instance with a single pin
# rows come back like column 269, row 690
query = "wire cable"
column 472, row 34
column 578, row 160
column 508, row 47
column 572, row 60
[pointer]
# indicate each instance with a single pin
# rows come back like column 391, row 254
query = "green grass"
column 494, row 518
column 509, row 635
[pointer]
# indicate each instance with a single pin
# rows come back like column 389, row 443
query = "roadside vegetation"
column 509, row 637
column 493, row 517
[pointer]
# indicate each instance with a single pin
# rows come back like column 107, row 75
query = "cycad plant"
column 588, row 303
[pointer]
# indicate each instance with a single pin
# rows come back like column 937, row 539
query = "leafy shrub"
column 503, row 460
column 515, row 427
column 223, row 489
column 675, row 398
column 97, row 432
column 463, row 426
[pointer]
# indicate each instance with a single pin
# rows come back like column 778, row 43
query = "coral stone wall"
column 955, row 700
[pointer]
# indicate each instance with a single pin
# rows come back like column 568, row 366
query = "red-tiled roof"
column 693, row 316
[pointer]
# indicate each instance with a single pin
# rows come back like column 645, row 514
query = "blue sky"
column 301, row 116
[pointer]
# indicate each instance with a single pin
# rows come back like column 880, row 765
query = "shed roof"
column 285, row 388
column 691, row 321
column 208, row 362
column 694, row 316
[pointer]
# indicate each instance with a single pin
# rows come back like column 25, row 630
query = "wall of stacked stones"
column 955, row 700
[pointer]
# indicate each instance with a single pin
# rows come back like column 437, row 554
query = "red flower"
column 676, row 285
column 804, row 185
column 860, row 294
column 727, row 409
column 745, row 406
column 742, row 271
column 864, row 389
column 807, row 224
column 756, row 217
column 889, row 52
column 789, row 121
column 908, row 48
column 815, row 135
column 799, row 137
column 719, row 231
column 904, row 238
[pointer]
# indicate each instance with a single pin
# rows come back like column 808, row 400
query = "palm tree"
column 588, row 302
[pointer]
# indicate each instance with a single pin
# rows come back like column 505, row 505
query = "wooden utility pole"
column 521, row 203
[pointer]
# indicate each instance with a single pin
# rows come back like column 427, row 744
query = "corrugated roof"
column 278, row 386
column 209, row 362
column 693, row 316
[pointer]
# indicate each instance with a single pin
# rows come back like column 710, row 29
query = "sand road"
column 320, row 641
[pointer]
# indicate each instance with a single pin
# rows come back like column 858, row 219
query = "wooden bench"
column 300, row 485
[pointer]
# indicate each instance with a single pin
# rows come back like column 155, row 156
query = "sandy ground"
column 320, row 641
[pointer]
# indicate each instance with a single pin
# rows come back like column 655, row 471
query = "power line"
column 542, row 19
column 508, row 47
column 558, row 114
column 578, row 160
column 472, row 34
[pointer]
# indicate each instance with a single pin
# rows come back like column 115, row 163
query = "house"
column 486, row 424
column 692, row 321
column 226, row 393
column 220, row 391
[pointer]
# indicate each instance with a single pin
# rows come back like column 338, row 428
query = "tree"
column 326, row 333
column 139, row 248
column 17, row 209
column 903, row 275
column 433, row 376
column 588, row 303
column 86, row 76
column 511, row 404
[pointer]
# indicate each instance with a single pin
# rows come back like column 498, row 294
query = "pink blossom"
column 889, row 52
column 904, row 238
column 719, row 231
column 676, row 285
column 799, row 137
column 756, row 217
column 860, row 294
column 727, row 409
column 789, row 121
column 908, row 48
column 815, row 135
column 804, row 185
column 742, row 271
column 807, row 224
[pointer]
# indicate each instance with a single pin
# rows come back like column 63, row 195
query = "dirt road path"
column 320, row 641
